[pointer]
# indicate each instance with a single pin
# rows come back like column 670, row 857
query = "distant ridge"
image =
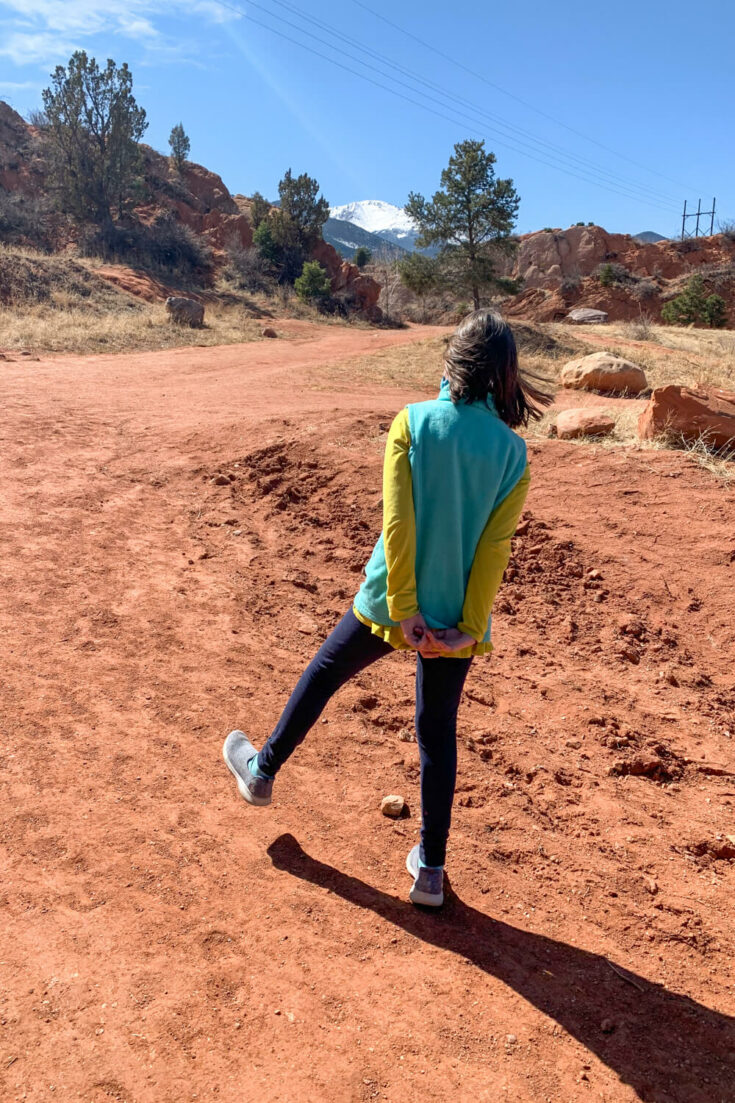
column 345, row 237
column 648, row 237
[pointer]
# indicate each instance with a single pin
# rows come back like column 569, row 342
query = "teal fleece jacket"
column 464, row 461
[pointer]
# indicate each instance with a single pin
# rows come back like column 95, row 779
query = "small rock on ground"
column 392, row 806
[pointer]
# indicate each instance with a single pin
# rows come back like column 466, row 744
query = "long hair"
column 481, row 361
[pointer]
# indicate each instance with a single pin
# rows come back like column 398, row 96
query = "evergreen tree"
column 420, row 274
column 302, row 204
column 180, row 145
column 93, row 125
column 260, row 208
column 313, row 284
column 471, row 217
column 694, row 307
column 362, row 256
column 714, row 313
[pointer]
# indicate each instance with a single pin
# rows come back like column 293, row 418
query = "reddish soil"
column 163, row 941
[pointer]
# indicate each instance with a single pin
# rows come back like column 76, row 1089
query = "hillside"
column 559, row 270
column 195, row 198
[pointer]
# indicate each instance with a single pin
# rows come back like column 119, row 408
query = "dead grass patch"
column 59, row 304
column 71, row 329
column 670, row 354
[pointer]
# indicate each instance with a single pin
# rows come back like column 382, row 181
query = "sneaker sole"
column 257, row 802
column 427, row 899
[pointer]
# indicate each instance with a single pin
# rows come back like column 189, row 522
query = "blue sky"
column 650, row 80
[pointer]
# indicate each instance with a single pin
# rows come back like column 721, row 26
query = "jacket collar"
column 445, row 396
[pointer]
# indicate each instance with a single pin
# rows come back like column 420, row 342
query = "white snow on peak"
column 377, row 217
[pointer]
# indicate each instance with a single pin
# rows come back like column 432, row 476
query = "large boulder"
column 583, row 423
column 185, row 312
column 586, row 316
column 690, row 415
column 603, row 371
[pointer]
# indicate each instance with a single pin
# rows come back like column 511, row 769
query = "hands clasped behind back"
column 433, row 642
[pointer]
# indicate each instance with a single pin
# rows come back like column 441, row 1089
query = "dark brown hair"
column 481, row 360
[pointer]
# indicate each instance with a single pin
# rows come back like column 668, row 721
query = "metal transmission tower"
column 699, row 213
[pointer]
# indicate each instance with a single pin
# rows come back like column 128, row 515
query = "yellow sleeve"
column 491, row 559
column 399, row 522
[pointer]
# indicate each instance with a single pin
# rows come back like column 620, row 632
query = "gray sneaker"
column 237, row 752
column 428, row 884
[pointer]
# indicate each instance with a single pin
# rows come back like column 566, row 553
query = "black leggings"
column 439, row 682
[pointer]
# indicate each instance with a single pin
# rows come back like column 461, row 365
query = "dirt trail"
column 163, row 942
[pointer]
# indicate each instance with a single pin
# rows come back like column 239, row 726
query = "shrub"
column 609, row 274
column 570, row 283
column 579, row 223
column 249, row 270
column 313, row 284
column 166, row 247
column 727, row 229
column 640, row 330
column 24, row 221
column 362, row 256
column 548, row 230
column 644, row 289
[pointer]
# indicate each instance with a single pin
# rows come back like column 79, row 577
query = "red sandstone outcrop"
column 690, row 414
column 357, row 290
column 559, row 269
column 544, row 259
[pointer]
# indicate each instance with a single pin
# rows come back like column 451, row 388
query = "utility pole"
column 698, row 214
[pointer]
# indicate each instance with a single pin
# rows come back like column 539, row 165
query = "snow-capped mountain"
column 384, row 219
column 346, row 237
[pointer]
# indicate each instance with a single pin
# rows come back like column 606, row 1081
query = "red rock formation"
column 348, row 282
column 558, row 273
column 684, row 412
column 545, row 258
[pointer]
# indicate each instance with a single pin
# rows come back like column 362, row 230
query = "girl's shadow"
column 667, row 1047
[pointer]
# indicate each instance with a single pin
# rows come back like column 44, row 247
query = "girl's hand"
column 451, row 639
column 418, row 635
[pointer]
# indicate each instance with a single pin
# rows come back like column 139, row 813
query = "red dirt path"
column 162, row 941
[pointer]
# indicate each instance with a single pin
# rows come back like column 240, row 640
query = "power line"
column 512, row 96
column 584, row 163
column 424, row 106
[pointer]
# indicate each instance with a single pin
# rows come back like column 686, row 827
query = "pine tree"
column 362, row 256
column 715, row 311
column 93, row 125
column 420, row 274
column 313, row 284
column 180, row 145
column 302, row 204
column 694, row 307
column 471, row 217
column 260, row 208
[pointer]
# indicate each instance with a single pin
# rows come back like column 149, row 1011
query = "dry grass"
column 669, row 354
column 61, row 304
column 146, row 327
column 419, row 366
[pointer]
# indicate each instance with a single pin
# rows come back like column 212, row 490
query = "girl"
column 454, row 482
